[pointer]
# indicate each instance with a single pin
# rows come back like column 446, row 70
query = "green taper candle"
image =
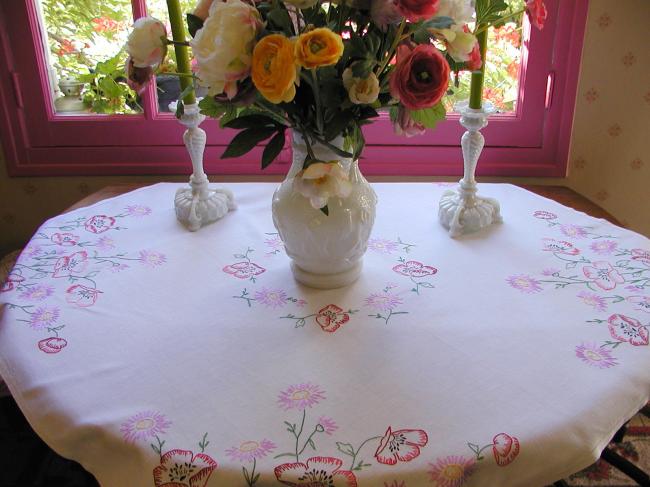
column 476, row 88
column 182, row 52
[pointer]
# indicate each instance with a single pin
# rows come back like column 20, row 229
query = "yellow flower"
column 319, row 47
column 274, row 69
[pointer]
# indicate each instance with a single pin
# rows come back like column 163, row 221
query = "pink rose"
column 415, row 10
column 405, row 125
column 420, row 77
column 537, row 13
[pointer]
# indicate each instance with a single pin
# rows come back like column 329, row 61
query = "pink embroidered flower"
column 250, row 450
column 52, row 344
column 549, row 271
column 383, row 301
column 11, row 279
column 626, row 329
column 604, row 21
column 274, row 244
column 301, row 303
column 604, row 247
column 593, row 300
column 413, row 268
column 43, row 317
column 65, row 239
column 591, row 95
column 271, row 298
column 138, row 210
column 143, row 425
column 81, row 296
column 524, row 284
column 300, row 396
column 38, row 292
column 559, row 246
column 642, row 256
column 614, row 130
column 74, row 264
column 105, row 243
column 181, row 468
column 151, row 258
column 99, row 223
column 573, row 231
column 451, row 471
column 328, row 424
column 603, row 275
column 331, row 317
column 401, row 445
column 593, row 355
column 6, row 286
column 505, row 449
column 544, row 215
column 317, row 471
column 244, row 270
column 641, row 303
column 382, row 245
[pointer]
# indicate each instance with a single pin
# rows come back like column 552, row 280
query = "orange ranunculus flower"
column 274, row 68
column 319, row 47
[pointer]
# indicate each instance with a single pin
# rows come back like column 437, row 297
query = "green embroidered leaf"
column 345, row 448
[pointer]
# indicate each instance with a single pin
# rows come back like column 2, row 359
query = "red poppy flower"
column 505, row 448
column 401, row 445
column 72, row 264
column 244, row 270
column 99, row 223
column 331, row 317
column 315, row 472
column 181, row 468
column 413, row 268
column 81, row 296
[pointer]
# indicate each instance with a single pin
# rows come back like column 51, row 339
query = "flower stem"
column 391, row 51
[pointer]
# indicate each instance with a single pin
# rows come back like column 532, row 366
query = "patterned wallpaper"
column 607, row 164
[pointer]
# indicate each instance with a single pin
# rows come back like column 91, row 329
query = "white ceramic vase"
column 326, row 251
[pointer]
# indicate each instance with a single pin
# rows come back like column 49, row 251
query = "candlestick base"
column 199, row 205
column 462, row 211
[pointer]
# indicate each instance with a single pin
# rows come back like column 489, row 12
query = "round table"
column 156, row 356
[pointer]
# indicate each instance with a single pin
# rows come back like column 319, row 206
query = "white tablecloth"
column 153, row 355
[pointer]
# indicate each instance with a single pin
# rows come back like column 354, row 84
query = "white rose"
column 322, row 181
column 223, row 47
column 146, row 43
column 302, row 3
column 461, row 11
column 459, row 43
column 361, row 90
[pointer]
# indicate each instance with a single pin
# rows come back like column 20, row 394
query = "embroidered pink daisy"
column 641, row 303
column 274, row 244
column 383, row 301
column 603, row 247
column 250, row 450
column 328, row 424
column 573, row 231
column 105, row 243
column 451, row 471
column 44, row 317
column 524, row 284
column 593, row 300
column 593, row 355
column 271, row 298
column 38, row 292
column 151, row 258
column 144, row 425
column 138, row 210
column 382, row 245
column 300, row 396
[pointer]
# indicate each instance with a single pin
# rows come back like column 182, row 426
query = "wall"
column 607, row 161
column 610, row 162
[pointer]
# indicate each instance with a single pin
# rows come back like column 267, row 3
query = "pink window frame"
column 37, row 142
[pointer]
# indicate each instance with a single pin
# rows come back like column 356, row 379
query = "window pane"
column 168, row 86
column 501, row 85
column 85, row 49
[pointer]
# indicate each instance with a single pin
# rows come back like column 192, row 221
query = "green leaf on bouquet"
column 249, row 121
column 325, row 210
column 489, row 11
column 279, row 18
column 361, row 69
column 211, row 108
column 273, row 149
column 245, row 140
column 194, row 23
column 421, row 32
column 429, row 117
